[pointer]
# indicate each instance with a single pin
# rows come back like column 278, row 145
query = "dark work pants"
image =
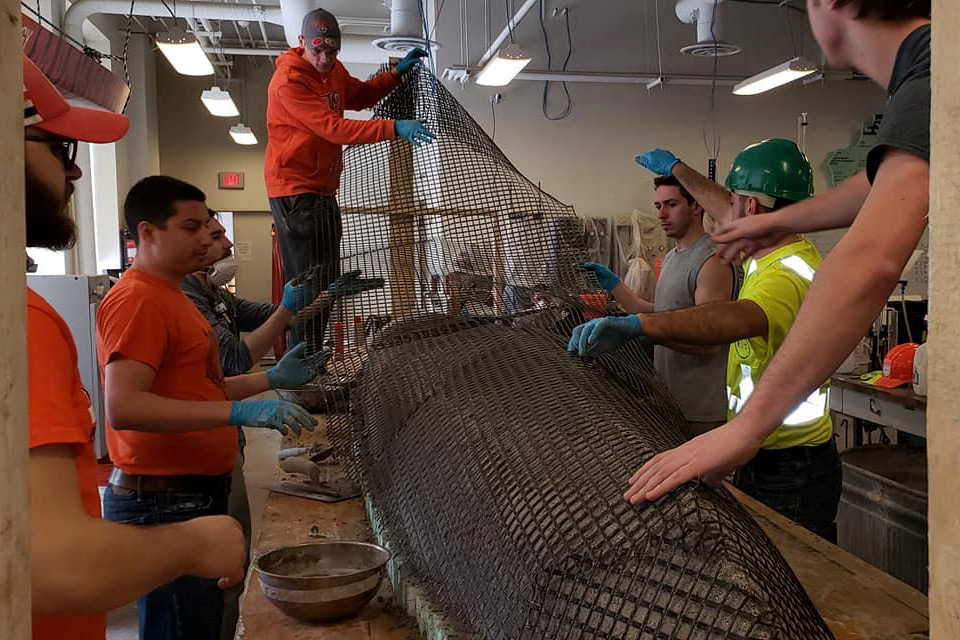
column 189, row 608
column 309, row 229
column 801, row 483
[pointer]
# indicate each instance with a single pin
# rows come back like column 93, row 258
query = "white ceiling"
column 621, row 35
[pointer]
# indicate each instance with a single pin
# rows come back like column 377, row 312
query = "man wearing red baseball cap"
column 306, row 132
column 81, row 565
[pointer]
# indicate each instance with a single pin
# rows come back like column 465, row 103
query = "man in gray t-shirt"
column 691, row 275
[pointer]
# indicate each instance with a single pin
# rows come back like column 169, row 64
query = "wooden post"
column 403, row 287
column 14, row 520
column 499, row 269
column 943, row 413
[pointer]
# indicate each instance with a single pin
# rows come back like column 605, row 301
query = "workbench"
column 858, row 601
column 899, row 409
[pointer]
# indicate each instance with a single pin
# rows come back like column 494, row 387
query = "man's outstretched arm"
column 850, row 288
column 835, row 209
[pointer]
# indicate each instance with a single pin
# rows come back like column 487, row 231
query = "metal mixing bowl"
column 322, row 581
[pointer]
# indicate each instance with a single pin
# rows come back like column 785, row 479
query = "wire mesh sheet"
column 496, row 460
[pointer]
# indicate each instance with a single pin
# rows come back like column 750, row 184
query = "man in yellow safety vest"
column 797, row 469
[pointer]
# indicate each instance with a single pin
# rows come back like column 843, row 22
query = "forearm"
column 631, row 302
column 246, row 385
column 712, row 324
column 835, row 209
column 99, row 565
column 150, row 413
column 714, row 199
column 261, row 340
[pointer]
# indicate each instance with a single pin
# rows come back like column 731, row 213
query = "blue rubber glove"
column 604, row 334
column 299, row 292
column 607, row 279
column 351, row 283
column 410, row 60
column 413, row 131
column 659, row 161
column 271, row 414
column 296, row 368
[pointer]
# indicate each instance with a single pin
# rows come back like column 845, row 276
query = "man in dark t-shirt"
column 885, row 207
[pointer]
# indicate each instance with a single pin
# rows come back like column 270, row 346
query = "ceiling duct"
column 708, row 17
column 406, row 29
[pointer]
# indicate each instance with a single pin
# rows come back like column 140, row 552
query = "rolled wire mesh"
column 495, row 460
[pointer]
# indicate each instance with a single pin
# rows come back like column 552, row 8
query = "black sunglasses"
column 67, row 149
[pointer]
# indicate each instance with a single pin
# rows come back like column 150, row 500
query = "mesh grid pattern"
column 495, row 460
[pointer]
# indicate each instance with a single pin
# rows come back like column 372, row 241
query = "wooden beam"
column 14, row 520
column 387, row 211
column 401, row 237
column 943, row 408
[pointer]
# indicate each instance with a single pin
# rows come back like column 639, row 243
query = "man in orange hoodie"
column 305, row 133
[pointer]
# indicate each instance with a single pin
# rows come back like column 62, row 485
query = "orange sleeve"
column 132, row 327
column 360, row 95
column 51, row 384
column 317, row 117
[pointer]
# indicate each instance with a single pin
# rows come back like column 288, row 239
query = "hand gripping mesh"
column 495, row 460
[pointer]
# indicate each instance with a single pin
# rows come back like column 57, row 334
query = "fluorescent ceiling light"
column 503, row 67
column 242, row 134
column 219, row 103
column 772, row 78
column 184, row 53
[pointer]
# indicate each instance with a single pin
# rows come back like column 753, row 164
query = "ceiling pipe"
column 505, row 34
column 461, row 74
column 82, row 9
column 405, row 18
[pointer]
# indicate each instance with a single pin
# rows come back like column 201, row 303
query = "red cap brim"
column 891, row 383
column 63, row 119
column 87, row 125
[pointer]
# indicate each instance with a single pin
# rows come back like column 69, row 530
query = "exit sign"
column 231, row 180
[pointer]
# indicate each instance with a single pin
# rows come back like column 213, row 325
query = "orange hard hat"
column 898, row 366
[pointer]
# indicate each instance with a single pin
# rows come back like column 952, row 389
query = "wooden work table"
column 858, row 601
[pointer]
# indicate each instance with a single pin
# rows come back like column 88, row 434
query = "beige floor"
column 260, row 471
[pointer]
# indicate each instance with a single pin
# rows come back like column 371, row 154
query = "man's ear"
column 301, row 42
column 144, row 232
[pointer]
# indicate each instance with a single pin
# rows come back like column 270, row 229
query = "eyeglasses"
column 67, row 149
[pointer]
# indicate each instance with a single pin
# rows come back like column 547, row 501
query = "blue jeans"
column 189, row 608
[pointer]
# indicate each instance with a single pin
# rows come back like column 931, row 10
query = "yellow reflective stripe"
column 752, row 267
column 813, row 408
column 799, row 266
column 737, row 400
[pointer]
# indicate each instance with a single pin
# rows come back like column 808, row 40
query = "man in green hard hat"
column 797, row 469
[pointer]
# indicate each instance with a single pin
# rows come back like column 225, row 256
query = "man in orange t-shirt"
column 170, row 412
column 81, row 565
column 306, row 130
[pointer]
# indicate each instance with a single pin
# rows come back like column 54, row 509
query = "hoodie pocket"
column 302, row 157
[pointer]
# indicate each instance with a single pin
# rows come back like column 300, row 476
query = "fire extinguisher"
column 128, row 250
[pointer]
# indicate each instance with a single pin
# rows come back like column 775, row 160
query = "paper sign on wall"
column 243, row 251
column 844, row 163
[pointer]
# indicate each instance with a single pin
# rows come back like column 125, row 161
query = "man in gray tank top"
column 691, row 275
